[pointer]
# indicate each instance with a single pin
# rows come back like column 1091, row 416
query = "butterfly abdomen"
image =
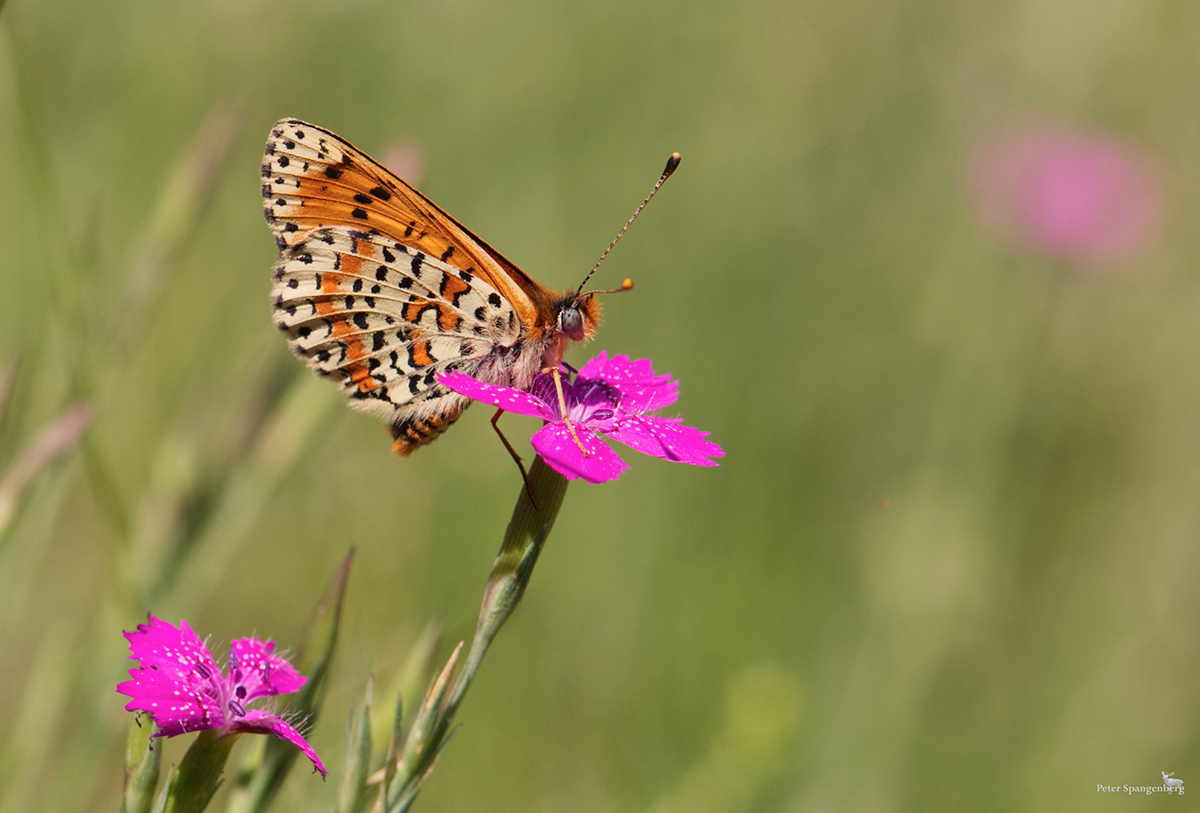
column 414, row 431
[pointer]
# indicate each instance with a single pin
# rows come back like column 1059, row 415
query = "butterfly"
column 379, row 289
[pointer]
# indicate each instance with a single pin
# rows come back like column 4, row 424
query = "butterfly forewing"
column 313, row 178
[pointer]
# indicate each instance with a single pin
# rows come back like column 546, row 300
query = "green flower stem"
column 199, row 773
column 523, row 541
column 142, row 762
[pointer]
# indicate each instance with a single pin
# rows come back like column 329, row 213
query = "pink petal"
column 262, row 722
column 667, row 438
column 506, row 398
column 179, row 683
column 177, row 704
column 594, row 368
column 262, row 673
column 641, row 390
column 173, row 650
column 556, row 446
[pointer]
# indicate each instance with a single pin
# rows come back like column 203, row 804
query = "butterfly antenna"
column 672, row 163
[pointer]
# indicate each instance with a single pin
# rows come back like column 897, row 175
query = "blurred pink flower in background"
column 1082, row 196
column 406, row 158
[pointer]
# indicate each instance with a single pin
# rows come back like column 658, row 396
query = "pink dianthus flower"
column 181, row 686
column 609, row 397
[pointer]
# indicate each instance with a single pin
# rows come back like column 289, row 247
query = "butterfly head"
column 577, row 317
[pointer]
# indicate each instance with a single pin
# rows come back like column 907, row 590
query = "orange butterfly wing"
column 314, row 178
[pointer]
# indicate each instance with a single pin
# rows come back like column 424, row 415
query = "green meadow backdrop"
column 950, row 560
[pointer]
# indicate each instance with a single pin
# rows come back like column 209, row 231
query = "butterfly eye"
column 570, row 323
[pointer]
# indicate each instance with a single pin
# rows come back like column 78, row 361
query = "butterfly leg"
column 562, row 407
column 516, row 457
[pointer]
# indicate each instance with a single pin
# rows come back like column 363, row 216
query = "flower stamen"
column 556, row 374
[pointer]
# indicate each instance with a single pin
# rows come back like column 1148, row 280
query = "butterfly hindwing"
column 383, row 320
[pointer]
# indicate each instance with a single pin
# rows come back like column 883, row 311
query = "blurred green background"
column 950, row 560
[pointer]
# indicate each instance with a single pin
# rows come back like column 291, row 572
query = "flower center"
column 593, row 400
